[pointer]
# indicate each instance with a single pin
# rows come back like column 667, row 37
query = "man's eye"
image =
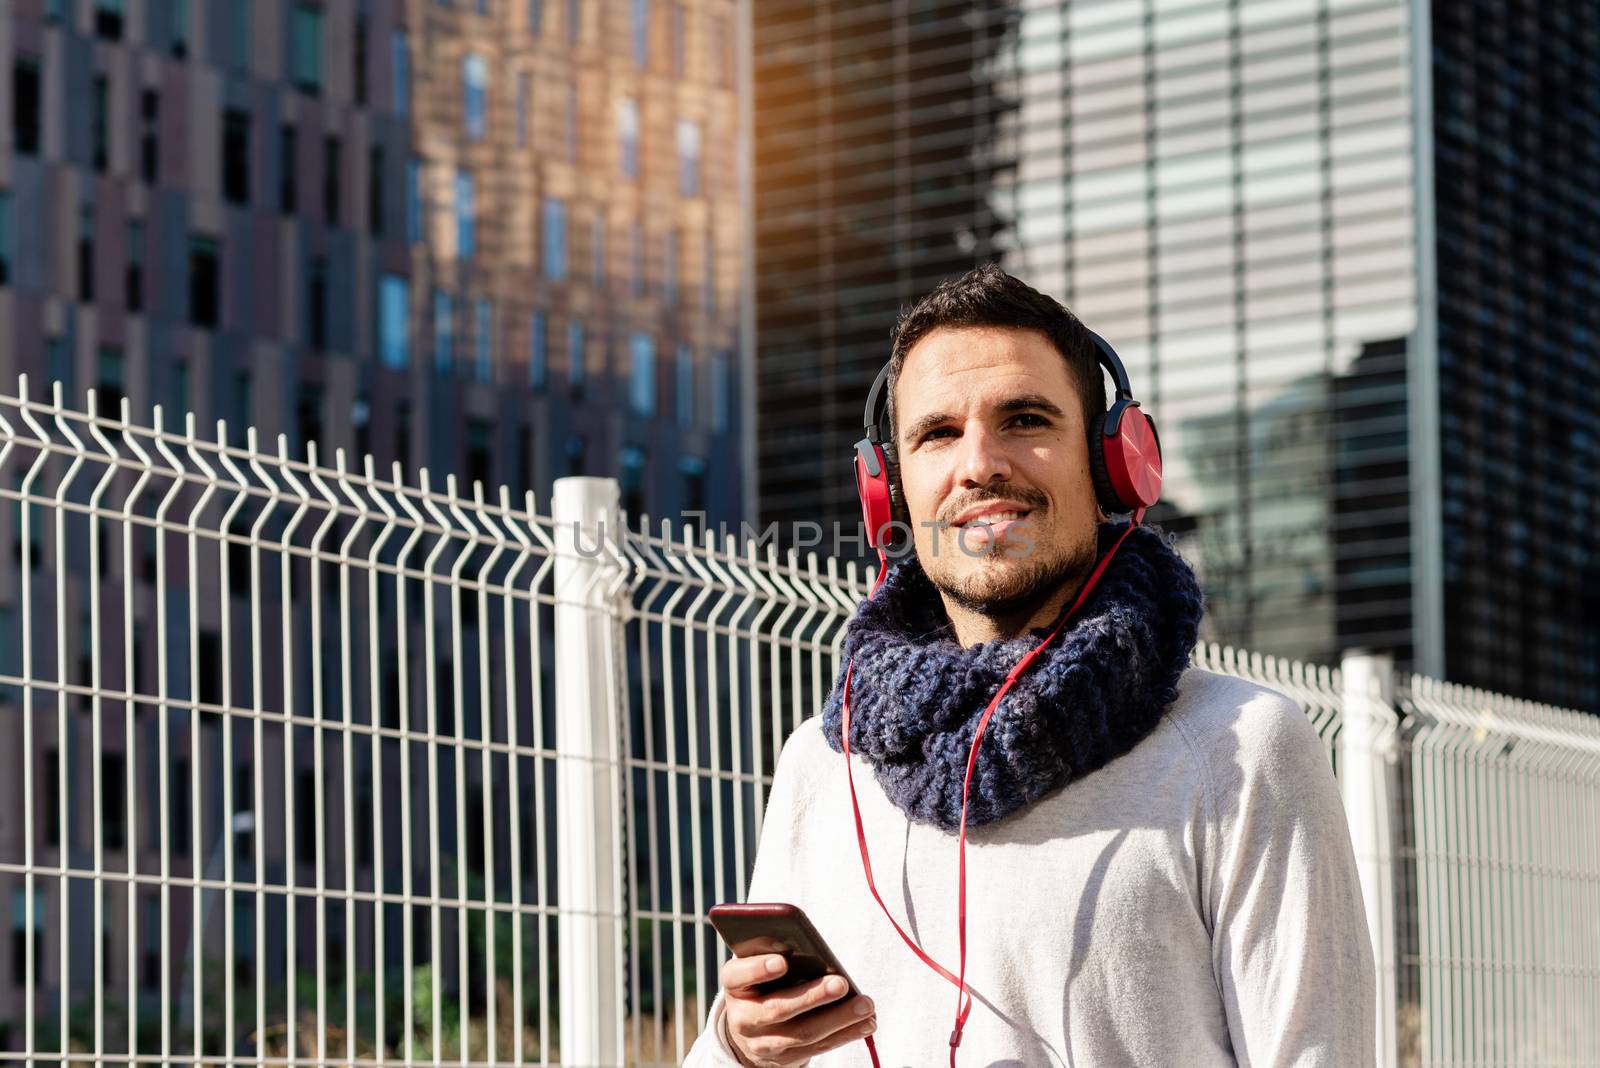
column 1037, row 420
column 937, row 431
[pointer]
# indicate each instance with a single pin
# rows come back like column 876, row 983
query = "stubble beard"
column 996, row 590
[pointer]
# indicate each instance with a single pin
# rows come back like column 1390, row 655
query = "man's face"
column 994, row 465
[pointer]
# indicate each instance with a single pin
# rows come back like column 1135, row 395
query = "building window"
column 574, row 21
column 483, row 313
column 575, row 357
column 99, row 105
column 19, row 933
column 708, row 278
column 135, row 279
column 597, row 250
column 113, row 798
column 571, row 133
column 685, row 385
column 308, row 425
column 5, row 237
column 688, row 158
column 394, row 321
column 721, row 395
column 641, row 32
column 693, row 469
column 577, row 453
column 475, row 88
column 538, row 351
column 306, row 47
column 108, row 19
column 442, row 356
column 555, row 238
column 628, row 136
column 642, row 379
column 478, row 437
column 636, row 259
column 57, row 367
column 180, row 387
column 669, row 268
column 678, row 35
column 243, row 404
column 205, row 281
column 110, row 384
column 288, row 169
column 358, row 46
column 631, row 482
column 86, row 252
column 149, row 133
column 413, row 201
column 535, row 16
column 331, row 166
column 240, row 40
column 523, row 83
column 317, row 303
column 25, row 105
column 721, row 61
column 465, row 231
column 400, row 55
column 375, row 184
column 178, row 28
column 236, row 155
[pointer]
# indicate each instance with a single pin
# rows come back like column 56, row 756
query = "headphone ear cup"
column 897, row 500
column 1104, row 492
column 874, row 490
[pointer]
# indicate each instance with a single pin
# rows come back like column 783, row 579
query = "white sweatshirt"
column 1192, row 904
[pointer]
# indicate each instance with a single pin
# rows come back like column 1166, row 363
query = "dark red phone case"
column 809, row 956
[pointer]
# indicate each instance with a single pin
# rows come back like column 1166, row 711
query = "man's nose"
column 983, row 458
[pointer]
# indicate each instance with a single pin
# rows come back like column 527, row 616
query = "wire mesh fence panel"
column 280, row 739
column 309, row 765
column 1504, row 842
column 730, row 648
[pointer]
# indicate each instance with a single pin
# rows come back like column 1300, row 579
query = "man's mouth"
column 993, row 519
column 992, row 513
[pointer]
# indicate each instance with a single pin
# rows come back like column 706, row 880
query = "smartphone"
column 763, row 927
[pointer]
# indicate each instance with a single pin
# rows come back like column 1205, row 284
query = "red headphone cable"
column 963, row 997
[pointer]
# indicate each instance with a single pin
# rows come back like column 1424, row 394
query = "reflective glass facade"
column 1516, row 137
column 1224, row 190
column 1228, row 191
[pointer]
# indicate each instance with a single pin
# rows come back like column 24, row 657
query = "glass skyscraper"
column 1339, row 262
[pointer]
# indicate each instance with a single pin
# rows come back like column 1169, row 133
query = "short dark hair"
column 988, row 296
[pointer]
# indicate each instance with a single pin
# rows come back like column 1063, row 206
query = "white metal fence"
column 304, row 764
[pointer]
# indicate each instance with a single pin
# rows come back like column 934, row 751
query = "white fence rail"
column 307, row 765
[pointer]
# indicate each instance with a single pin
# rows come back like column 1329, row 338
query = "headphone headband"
column 871, row 422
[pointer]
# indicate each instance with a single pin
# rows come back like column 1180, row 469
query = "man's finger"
column 765, row 1011
column 741, row 974
column 853, row 1031
column 817, row 1024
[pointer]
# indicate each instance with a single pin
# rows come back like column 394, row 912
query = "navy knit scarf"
column 1092, row 694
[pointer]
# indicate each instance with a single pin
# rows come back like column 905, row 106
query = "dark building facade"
column 873, row 170
column 502, row 241
column 497, row 240
column 1344, row 253
column 1516, row 137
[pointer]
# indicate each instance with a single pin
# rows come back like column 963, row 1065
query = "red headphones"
column 1125, row 463
column 1124, row 453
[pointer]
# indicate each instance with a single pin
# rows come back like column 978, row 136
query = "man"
column 1160, row 872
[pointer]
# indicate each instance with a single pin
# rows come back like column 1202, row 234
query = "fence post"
column 1365, row 777
column 588, row 781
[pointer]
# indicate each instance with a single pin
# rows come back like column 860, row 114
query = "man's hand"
column 779, row 1029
